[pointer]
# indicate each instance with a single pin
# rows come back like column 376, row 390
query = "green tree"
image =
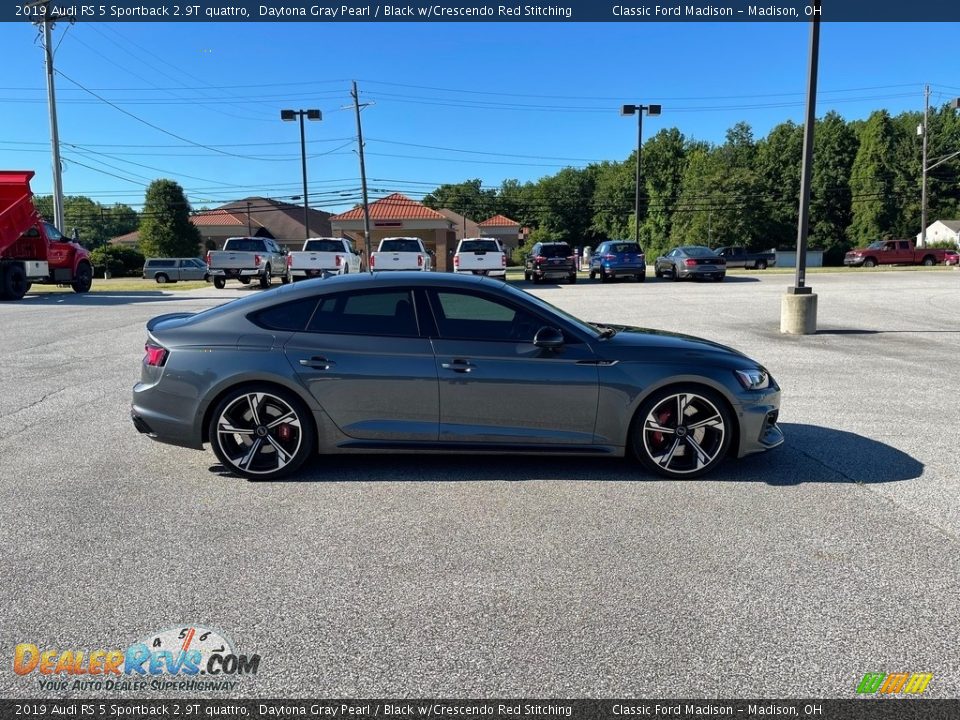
column 119, row 261
column 95, row 224
column 467, row 198
column 778, row 161
column 874, row 198
column 835, row 148
column 564, row 206
column 613, row 199
column 165, row 227
column 664, row 159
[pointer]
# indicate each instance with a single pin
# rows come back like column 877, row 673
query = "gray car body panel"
column 395, row 395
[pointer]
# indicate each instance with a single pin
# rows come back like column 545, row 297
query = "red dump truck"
column 32, row 250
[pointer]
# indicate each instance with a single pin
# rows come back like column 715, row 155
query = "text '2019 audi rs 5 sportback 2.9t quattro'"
column 436, row 362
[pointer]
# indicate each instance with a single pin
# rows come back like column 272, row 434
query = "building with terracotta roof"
column 502, row 228
column 399, row 216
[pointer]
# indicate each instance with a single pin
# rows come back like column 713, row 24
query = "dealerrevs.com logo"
column 183, row 659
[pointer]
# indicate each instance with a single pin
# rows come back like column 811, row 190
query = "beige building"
column 502, row 228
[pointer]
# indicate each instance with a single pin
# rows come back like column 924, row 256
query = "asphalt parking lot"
column 788, row 574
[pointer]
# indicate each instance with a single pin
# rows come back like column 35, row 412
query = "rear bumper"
column 231, row 273
column 620, row 270
column 697, row 272
column 314, row 272
column 500, row 272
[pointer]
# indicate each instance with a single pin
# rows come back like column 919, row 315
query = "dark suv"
column 550, row 260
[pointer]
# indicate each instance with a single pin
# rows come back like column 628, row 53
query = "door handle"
column 460, row 366
column 318, row 362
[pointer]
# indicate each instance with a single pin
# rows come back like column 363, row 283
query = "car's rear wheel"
column 261, row 432
column 593, row 275
column 162, row 278
column 682, row 432
column 266, row 279
column 219, row 283
column 657, row 273
column 641, row 277
column 674, row 274
column 573, row 278
column 929, row 261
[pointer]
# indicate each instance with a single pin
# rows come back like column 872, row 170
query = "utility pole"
column 924, row 129
column 47, row 20
column 363, row 177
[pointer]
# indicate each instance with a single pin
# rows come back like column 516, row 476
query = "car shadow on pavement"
column 811, row 454
column 105, row 299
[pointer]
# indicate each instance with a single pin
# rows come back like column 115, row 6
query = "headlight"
column 755, row 379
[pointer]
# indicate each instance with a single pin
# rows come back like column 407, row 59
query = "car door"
column 363, row 358
column 496, row 386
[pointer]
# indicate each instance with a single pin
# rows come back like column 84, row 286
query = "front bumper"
column 853, row 261
column 759, row 430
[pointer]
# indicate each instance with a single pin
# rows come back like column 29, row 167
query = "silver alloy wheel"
column 684, row 433
column 259, row 433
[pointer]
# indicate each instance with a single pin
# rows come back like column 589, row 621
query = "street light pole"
column 923, row 183
column 288, row 116
column 638, row 110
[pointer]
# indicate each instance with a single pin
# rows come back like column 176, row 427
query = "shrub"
column 119, row 261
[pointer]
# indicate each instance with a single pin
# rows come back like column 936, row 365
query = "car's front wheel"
column 682, row 432
column 261, row 432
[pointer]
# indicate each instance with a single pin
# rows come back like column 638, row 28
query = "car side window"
column 472, row 316
column 381, row 312
column 291, row 316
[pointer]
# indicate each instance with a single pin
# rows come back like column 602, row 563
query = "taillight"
column 609, row 256
column 503, row 260
column 419, row 260
column 155, row 355
column 689, row 262
column 373, row 259
column 207, row 259
column 289, row 261
column 456, row 261
column 256, row 260
column 339, row 260
column 539, row 259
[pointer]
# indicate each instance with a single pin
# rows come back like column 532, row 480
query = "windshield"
column 243, row 245
column 400, row 245
column 876, row 245
column 323, row 246
column 697, row 251
column 479, row 246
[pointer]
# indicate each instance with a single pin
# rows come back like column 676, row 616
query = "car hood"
column 628, row 337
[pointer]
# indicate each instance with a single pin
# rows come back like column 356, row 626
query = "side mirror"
column 549, row 338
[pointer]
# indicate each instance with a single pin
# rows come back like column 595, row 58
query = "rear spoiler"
column 153, row 322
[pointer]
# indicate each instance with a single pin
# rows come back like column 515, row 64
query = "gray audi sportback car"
column 424, row 362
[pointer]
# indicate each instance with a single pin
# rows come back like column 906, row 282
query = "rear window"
column 400, row 245
column 323, row 246
column 624, row 248
column 378, row 312
column 697, row 251
column 243, row 245
column 291, row 316
column 479, row 246
column 556, row 250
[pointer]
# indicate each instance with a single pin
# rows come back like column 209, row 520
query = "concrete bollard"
column 798, row 314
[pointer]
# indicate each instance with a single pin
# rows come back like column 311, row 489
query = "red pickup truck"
column 893, row 252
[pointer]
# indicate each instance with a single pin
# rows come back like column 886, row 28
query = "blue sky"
column 449, row 101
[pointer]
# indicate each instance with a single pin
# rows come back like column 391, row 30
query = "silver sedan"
column 417, row 362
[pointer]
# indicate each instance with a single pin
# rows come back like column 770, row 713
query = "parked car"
column 951, row 257
column 165, row 270
column 550, row 261
column 322, row 257
column 691, row 261
column 401, row 253
column 419, row 362
column 618, row 258
column 892, row 252
column 480, row 256
column 246, row 258
column 739, row 256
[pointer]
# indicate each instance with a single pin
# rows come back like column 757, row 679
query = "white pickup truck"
column 246, row 258
column 401, row 253
column 480, row 256
column 323, row 256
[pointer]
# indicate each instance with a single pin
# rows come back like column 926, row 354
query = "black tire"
column 537, row 280
column 762, row 265
column 593, row 275
column 14, row 283
column 219, row 283
column 656, row 272
column 162, row 278
column 869, row 263
column 83, row 279
column 708, row 430
column 244, row 280
column 641, row 277
column 929, row 261
column 266, row 279
column 285, row 279
column 604, row 278
column 573, row 279
column 674, row 274
column 206, row 277
column 278, row 448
